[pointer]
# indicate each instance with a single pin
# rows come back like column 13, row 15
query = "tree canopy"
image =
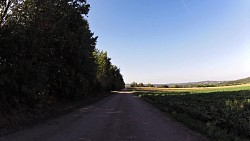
column 48, row 51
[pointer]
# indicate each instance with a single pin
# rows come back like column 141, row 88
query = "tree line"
column 135, row 84
column 48, row 53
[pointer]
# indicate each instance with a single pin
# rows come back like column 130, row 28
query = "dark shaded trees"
column 117, row 82
column 47, row 51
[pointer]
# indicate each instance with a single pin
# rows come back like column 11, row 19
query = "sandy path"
column 120, row 117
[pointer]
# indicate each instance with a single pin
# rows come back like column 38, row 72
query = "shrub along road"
column 120, row 117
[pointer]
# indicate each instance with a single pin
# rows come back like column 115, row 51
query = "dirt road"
column 121, row 117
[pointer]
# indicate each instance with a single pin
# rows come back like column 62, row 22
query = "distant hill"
column 215, row 83
column 236, row 82
column 206, row 83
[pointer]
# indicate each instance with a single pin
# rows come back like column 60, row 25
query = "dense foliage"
column 47, row 53
column 227, row 111
column 135, row 84
column 108, row 76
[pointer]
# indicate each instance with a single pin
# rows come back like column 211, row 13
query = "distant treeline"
column 48, row 54
column 135, row 84
column 192, row 85
column 235, row 82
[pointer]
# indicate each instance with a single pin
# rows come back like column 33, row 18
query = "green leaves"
column 108, row 75
column 47, row 50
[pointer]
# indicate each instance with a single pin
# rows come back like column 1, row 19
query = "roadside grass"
column 222, row 113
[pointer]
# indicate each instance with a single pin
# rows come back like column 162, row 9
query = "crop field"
column 195, row 89
column 220, row 113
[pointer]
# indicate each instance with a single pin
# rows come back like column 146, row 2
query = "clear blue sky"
column 165, row 41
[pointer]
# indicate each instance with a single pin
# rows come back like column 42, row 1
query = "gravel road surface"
column 120, row 117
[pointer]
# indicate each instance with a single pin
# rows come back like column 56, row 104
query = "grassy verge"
column 212, row 132
column 220, row 115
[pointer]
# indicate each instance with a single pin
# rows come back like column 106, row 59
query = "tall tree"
column 108, row 75
column 47, row 51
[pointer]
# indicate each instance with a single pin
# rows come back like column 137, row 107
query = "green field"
column 221, row 113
